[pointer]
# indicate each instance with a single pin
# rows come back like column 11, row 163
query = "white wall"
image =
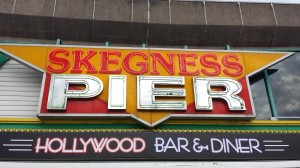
column 19, row 90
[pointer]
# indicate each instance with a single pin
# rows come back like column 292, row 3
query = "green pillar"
column 58, row 41
column 3, row 59
column 270, row 94
column 227, row 47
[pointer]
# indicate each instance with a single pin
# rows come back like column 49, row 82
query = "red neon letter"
column 210, row 64
column 183, row 64
column 78, row 61
column 105, row 61
column 233, row 65
column 58, row 61
column 143, row 65
column 169, row 66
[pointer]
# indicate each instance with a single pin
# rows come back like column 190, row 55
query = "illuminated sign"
column 149, row 85
column 147, row 146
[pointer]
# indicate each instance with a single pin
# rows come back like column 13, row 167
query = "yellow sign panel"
column 135, row 64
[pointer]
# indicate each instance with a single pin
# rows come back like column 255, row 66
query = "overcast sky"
column 285, row 85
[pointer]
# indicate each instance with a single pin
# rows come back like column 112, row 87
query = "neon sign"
column 148, row 85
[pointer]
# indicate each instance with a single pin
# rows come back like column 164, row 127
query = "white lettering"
column 170, row 145
column 117, row 92
column 204, row 94
column 64, row 150
column 147, row 92
column 122, row 145
column 178, row 145
column 59, row 89
column 159, row 144
column 244, row 149
column 99, row 146
column 240, row 145
column 75, row 150
column 213, row 145
column 182, row 145
column 229, row 144
column 39, row 147
column 112, row 145
column 85, row 143
column 59, row 146
column 252, row 146
column 135, row 142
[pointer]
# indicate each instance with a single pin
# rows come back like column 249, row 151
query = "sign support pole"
column 58, row 41
column 270, row 94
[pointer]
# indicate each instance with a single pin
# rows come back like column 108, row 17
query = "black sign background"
column 176, row 146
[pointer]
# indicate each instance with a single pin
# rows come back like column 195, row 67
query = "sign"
column 146, row 145
column 149, row 85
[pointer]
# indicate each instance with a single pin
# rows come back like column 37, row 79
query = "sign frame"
column 155, row 146
column 127, row 116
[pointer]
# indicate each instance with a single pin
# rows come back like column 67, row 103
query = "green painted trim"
column 3, row 59
column 270, row 94
column 138, row 126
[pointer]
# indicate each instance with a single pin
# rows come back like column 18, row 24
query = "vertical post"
column 58, row 41
column 227, row 47
column 269, row 90
column 106, row 43
column 270, row 94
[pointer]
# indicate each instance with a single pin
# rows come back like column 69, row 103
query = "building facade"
column 95, row 80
